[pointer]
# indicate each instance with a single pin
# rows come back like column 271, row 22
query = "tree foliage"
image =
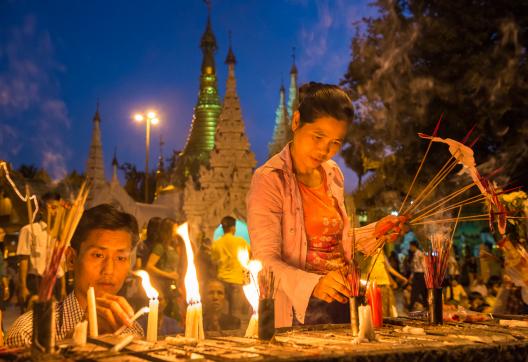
column 419, row 59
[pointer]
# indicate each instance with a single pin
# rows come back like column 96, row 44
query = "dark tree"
column 419, row 59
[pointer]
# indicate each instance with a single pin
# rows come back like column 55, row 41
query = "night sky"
column 57, row 58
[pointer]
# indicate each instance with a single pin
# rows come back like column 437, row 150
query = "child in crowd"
column 455, row 293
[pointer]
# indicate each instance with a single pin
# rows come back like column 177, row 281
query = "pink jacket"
column 277, row 232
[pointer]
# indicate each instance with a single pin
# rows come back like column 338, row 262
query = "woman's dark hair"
column 153, row 230
column 105, row 217
column 166, row 230
column 324, row 100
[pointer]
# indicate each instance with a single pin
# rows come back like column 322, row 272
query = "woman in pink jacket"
column 297, row 220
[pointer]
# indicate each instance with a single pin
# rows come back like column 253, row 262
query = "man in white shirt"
column 419, row 289
column 34, row 250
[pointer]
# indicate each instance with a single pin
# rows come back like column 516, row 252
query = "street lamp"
column 150, row 118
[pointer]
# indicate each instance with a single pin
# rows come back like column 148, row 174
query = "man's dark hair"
column 105, row 217
column 493, row 280
column 415, row 243
column 324, row 100
column 50, row 196
column 228, row 222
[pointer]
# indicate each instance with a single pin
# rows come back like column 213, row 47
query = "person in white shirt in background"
column 417, row 279
column 34, row 250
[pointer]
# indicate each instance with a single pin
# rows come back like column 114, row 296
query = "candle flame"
column 192, row 289
column 145, row 282
column 251, row 290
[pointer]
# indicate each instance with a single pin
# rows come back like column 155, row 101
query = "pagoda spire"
column 115, row 164
column 200, row 140
column 282, row 131
column 225, row 182
column 293, row 94
column 95, row 164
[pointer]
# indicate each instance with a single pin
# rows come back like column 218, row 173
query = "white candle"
column 252, row 329
column 194, row 322
column 92, row 312
column 366, row 328
column 79, row 333
column 152, row 323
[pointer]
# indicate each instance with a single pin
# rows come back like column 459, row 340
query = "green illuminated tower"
column 201, row 139
column 282, row 131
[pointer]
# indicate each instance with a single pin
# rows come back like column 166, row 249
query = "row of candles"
column 370, row 316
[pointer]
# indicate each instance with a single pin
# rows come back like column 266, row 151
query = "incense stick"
column 445, row 199
column 421, row 164
column 469, row 201
column 433, row 184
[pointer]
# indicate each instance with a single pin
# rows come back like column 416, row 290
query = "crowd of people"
column 162, row 254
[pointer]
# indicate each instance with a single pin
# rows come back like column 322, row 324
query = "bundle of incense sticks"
column 61, row 227
column 354, row 279
column 267, row 284
column 435, row 261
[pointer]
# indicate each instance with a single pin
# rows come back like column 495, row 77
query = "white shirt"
column 36, row 248
column 417, row 265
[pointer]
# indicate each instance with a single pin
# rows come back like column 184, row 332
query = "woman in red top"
column 297, row 221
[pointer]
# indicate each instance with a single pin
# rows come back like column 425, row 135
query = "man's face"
column 215, row 296
column 52, row 206
column 103, row 261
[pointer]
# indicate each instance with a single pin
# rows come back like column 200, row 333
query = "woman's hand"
column 390, row 227
column 332, row 287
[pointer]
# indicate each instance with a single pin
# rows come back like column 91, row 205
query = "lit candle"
column 152, row 323
column 251, row 290
column 92, row 313
column 194, row 317
column 152, row 294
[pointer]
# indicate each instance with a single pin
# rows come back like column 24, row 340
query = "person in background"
column 494, row 284
column 34, row 250
column 4, row 288
column 455, row 293
column 224, row 254
column 477, row 303
column 419, row 289
column 469, row 267
column 100, row 257
column 145, row 247
column 167, row 263
column 381, row 272
column 214, row 302
column 479, row 286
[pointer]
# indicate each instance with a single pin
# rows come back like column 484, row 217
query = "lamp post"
column 150, row 118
